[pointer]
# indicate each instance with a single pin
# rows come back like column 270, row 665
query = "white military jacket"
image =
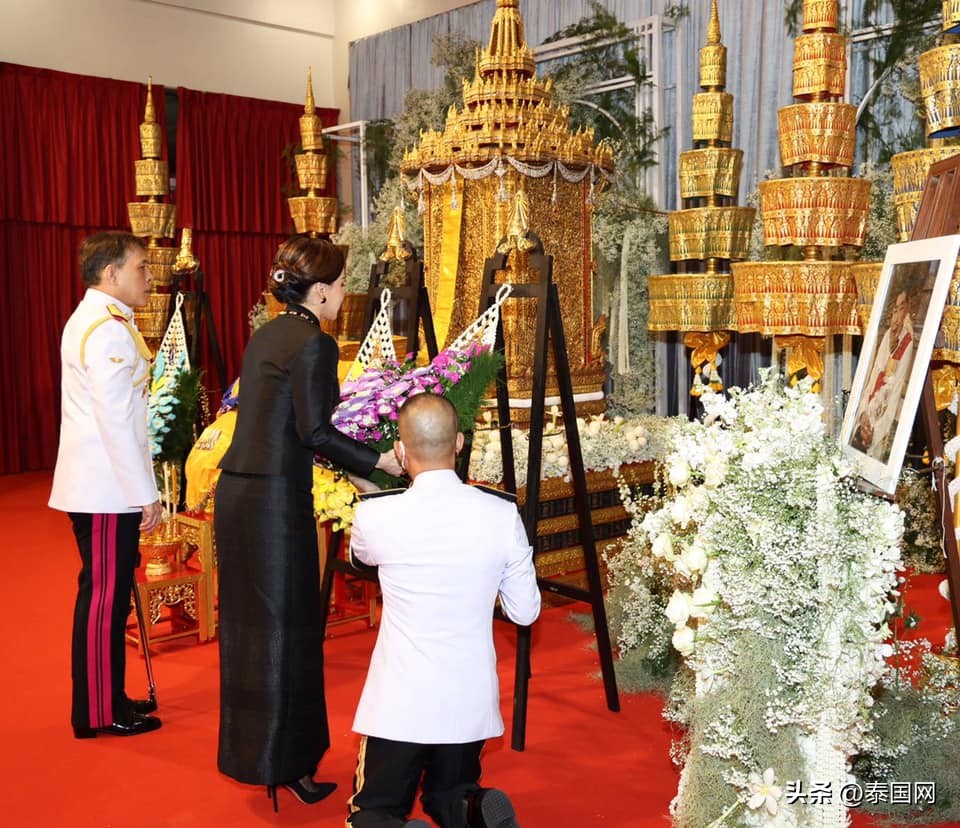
column 444, row 551
column 103, row 463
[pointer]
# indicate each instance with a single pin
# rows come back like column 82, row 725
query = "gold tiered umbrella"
column 940, row 90
column 156, row 220
column 818, row 210
column 312, row 213
column 712, row 231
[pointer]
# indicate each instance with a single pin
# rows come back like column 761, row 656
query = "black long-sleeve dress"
column 273, row 717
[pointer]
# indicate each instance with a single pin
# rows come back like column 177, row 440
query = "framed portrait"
column 897, row 345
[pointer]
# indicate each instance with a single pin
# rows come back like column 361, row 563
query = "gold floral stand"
column 200, row 551
column 174, row 603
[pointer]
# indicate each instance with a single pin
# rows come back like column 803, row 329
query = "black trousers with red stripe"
column 109, row 550
column 388, row 774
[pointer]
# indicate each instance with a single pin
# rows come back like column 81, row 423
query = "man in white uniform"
column 444, row 551
column 104, row 475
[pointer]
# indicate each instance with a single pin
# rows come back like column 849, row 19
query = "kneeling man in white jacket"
column 444, row 551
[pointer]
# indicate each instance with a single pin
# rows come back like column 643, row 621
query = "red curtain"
column 232, row 184
column 67, row 149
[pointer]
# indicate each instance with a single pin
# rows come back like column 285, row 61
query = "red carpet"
column 583, row 765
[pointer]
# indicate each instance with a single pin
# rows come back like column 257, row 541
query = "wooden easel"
column 939, row 215
column 549, row 334
column 414, row 293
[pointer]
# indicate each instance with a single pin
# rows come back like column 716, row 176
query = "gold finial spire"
column 311, row 130
column 713, row 56
column 713, row 31
column 149, row 117
column 507, row 49
column 150, row 136
column 310, row 106
column 397, row 247
column 186, row 262
column 518, row 228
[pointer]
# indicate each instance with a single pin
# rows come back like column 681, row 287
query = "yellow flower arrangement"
column 334, row 497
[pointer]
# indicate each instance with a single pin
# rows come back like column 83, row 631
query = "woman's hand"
column 388, row 463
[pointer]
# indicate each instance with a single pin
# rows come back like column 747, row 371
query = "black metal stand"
column 145, row 645
column 549, row 334
column 413, row 293
column 333, row 564
column 202, row 320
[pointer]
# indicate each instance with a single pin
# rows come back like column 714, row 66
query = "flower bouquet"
column 370, row 405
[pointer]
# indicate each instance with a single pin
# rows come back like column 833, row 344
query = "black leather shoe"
column 490, row 808
column 134, row 727
column 142, row 706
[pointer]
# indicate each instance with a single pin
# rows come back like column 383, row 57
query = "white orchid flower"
column 763, row 792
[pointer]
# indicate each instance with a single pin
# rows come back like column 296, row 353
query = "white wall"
column 360, row 18
column 257, row 48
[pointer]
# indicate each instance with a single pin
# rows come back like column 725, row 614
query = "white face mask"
column 403, row 455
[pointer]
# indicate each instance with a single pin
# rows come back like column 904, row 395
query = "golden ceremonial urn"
column 509, row 136
column 712, row 231
column 819, row 210
column 155, row 220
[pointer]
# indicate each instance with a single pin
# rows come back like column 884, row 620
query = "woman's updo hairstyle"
column 300, row 262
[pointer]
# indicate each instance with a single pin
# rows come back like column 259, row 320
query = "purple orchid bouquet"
column 369, row 405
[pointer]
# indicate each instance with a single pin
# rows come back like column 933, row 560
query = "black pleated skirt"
column 273, row 715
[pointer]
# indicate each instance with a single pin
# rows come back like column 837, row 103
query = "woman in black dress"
column 273, row 717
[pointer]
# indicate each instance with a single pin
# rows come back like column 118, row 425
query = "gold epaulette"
column 117, row 315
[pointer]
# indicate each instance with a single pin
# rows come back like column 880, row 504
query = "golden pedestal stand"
column 172, row 593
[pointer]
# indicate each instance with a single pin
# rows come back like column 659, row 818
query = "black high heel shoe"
column 308, row 796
